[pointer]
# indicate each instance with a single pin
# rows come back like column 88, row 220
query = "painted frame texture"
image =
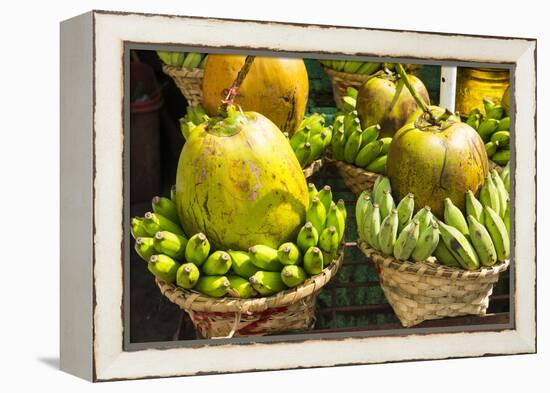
column 93, row 242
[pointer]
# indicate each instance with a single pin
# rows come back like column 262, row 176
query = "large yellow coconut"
column 276, row 87
column 239, row 182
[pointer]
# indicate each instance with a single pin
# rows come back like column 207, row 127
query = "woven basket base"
column 313, row 168
column 342, row 80
column 426, row 290
column 188, row 80
column 356, row 179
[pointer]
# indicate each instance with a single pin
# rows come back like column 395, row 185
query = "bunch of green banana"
column 311, row 139
column 195, row 115
column 494, row 129
column 351, row 67
column 183, row 60
column 357, row 146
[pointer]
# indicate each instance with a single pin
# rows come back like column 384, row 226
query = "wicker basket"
column 188, row 80
column 313, row 168
column 342, row 80
column 357, row 179
column 290, row 310
column 494, row 165
column 427, row 290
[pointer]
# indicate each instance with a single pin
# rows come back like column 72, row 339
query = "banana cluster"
column 311, row 139
column 183, row 60
column 190, row 263
column 195, row 115
column 357, row 146
column 494, row 129
column 352, row 67
column 479, row 239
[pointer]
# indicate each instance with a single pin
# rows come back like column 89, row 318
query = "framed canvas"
column 120, row 145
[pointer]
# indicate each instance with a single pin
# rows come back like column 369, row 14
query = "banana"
column 491, row 148
column 289, row 254
column 203, row 62
column 348, row 103
column 368, row 68
column 242, row 264
column 424, row 217
column 325, row 196
column 351, row 123
column 293, row 276
column 338, row 65
column 486, row 128
column 427, row 242
column 378, row 165
column 405, row 210
column 473, row 120
column 505, row 172
column 217, row 264
column 368, row 153
column 386, row 142
column 362, row 218
column 173, row 193
column 338, row 143
column 488, row 195
column 170, row 244
column 197, row 249
column 406, row 241
column 352, row 66
column 307, row 237
column 502, row 137
column 506, row 180
column 504, row 124
column 444, row 256
column 303, row 153
column 239, row 287
column 502, row 193
column 496, row 112
column 137, row 229
column 381, row 184
column 326, row 136
column 482, row 242
column 298, row 139
column 177, row 58
column 352, row 145
column 506, row 217
column 454, row 217
column 213, row 286
column 370, row 134
column 360, row 209
column 267, row 283
column 336, row 219
column 386, row 204
column 388, row 232
column 341, row 205
column 352, row 92
column 187, row 275
column 316, row 214
column 312, row 191
column 499, row 234
column 318, row 142
column 474, row 207
column 192, row 60
column 166, row 57
column 501, row 157
column 163, row 267
column 488, row 105
column 154, row 223
column 459, row 246
column 329, row 240
column 265, row 257
column 144, row 248
column 313, row 261
column 371, row 226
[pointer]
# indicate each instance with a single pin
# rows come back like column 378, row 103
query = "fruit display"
column 183, row 59
column 276, row 87
column 480, row 237
column 194, row 262
column 354, row 144
column 352, row 67
column 494, row 130
column 311, row 139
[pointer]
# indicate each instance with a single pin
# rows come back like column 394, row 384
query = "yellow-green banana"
column 303, row 153
column 316, row 214
column 213, row 286
column 293, row 276
column 289, row 254
column 352, row 145
column 506, row 217
column 405, row 210
column 495, row 112
column 368, row 68
column 491, row 148
column 368, row 153
column 348, row 103
column 137, row 229
column 187, row 275
column 425, row 217
column 499, row 234
column 444, row 256
column 165, row 56
column 360, row 209
column 239, row 287
column 144, row 248
column 459, row 246
column 502, row 137
column 352, row 92
column 163, row 267
column 170, row 244
column 267, row 283
column 482, row 242
column 265, row 258
column 177, row 58
column 370, row 134
column 192, row 60
column 336, row 219
column 313, row 261
column 427, row 242
column 329, row 240
column 502, row 193
column 154, row 223
column 165, row 207
column 501, row 157
column 474, row 207
column 504, row 124
column 386, row 205
column 454, row 217
column 352, row 66
column 242, row 264
column 488, row 195
column 197, row 249
column 372, row 226
column 307, row 237
column 378, row 165
column 341, row 205
column 338, row 143
column 217, row 264
column 381, row 184
column 486, row 128
column 386, row 142
column 388, row 232
column 312, row 191
column 406, row 241
column 325, row 196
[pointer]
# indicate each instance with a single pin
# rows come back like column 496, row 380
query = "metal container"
column 475, row 84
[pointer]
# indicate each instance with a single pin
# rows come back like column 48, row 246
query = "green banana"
column 338, row 144
column 425, row 218
column 372, row 226
column 267, row 283
column 351, row 123
column 213, row 286
column 165, row 56
column 318, row 143
column 427, row 242
column 504, row 124
column 341, row 205
column 386, row 142
column 352, row 92
column 289, row 254
column 352, row 66
column 368, row 68
column 370, row 134
column 506, row 217
column 293, row 276
column 499, row 234
column 368, row 153
column 173, row 193
column 163, row 267
column 312, row 191
column 482, row 242
column 137, row 229
column 165, row 207
column 491, row 148
column 336, row 219
column 303, row 153
column 386, row 204
column 144, row 248
column 488, row 105
column 505, row 172
column 177, row 58
column 313, row 261
column 352, row 145
column 381, row 184
column 496, row 112
column 187, row 275
column 338, row 65
column 217, row 264
column 170, row 244
column 378, row 165
column 459, row 246
column 501, row 157
column 360, row 209
column 239, row 287
column 192, row 60
column 406, row 241
column 265, row 257
column 325, row 196
column 486, row 128
column 242, row 264
column 444, row 256
column 316, row 214
column 362, row 218
column 298, row 139
column 307, row 237
column 197, row 249
column 454, row 217
column 388, row 232
column 502, row 193
column 473, row 120
column 488, row 195
column 329, row 240
column 405, row 210
column 348, row 103
column 474, row 207
column 502, row 137
column 154, row 223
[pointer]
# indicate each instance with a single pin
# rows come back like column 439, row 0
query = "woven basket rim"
column 182, row 71
column 314, row 167
column 430, row 266
column 347, row 166
column 347, row 75
column 189, row 299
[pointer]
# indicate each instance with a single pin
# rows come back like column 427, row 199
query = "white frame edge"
column 112, row 30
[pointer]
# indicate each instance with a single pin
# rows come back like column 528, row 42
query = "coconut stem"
column 233, row 90
column 419, row 101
